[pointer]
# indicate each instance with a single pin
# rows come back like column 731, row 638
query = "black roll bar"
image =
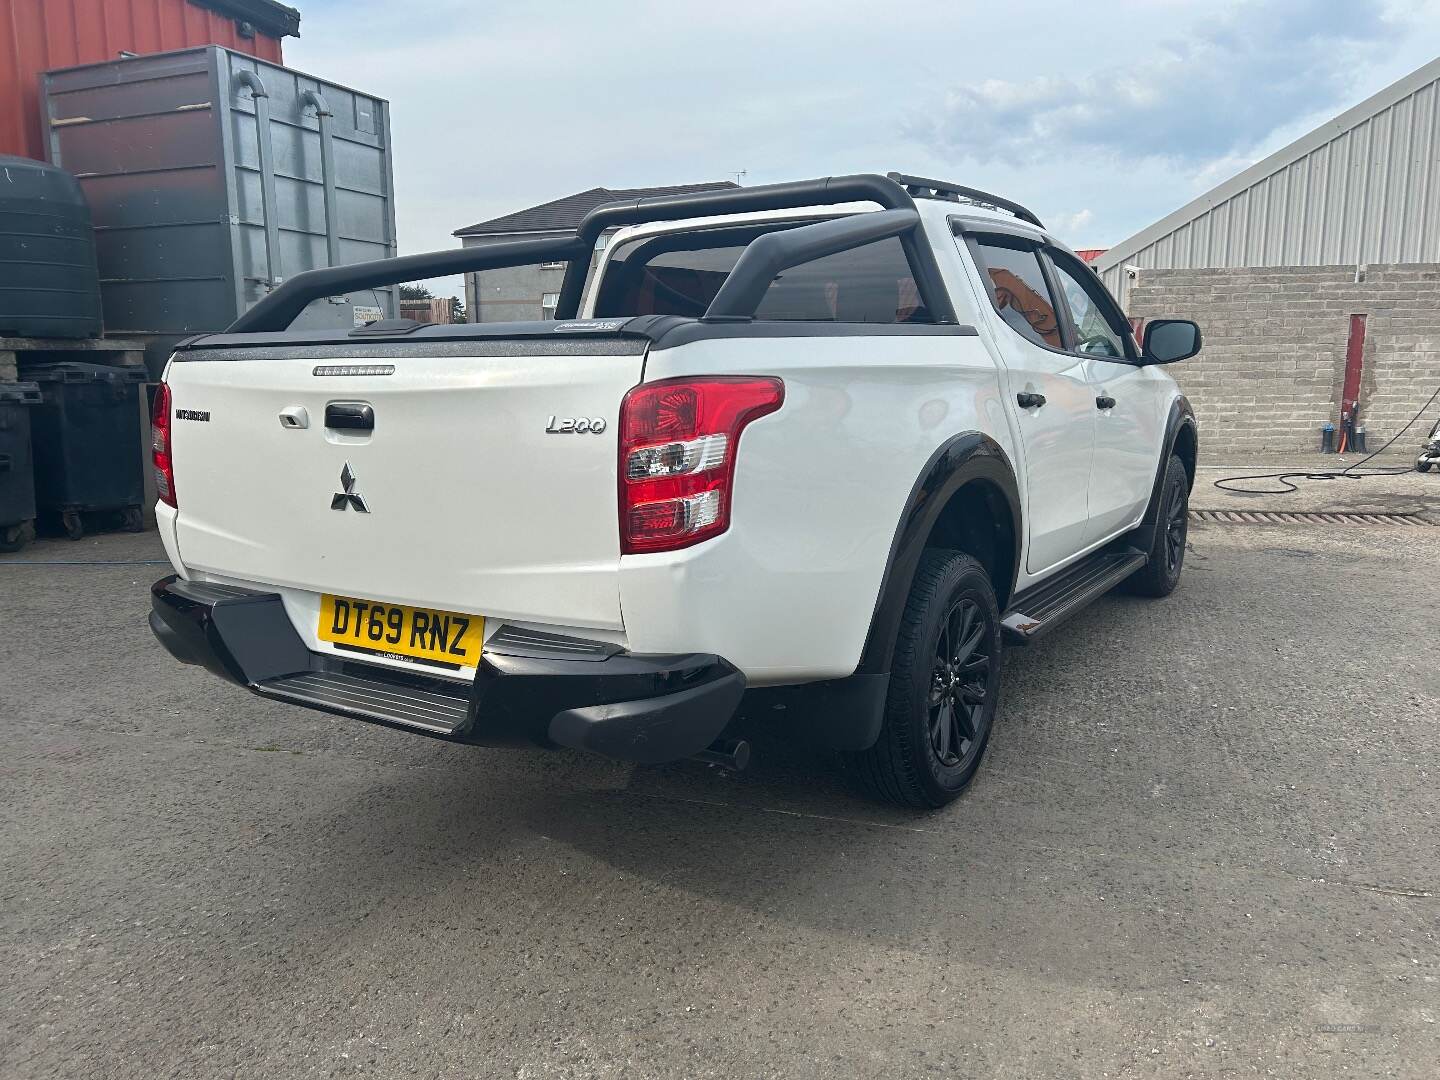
column 827, row 191
column 773, row 253
column 278, row 310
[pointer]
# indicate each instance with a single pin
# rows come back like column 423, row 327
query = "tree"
column 415, row 292
column 457, row 310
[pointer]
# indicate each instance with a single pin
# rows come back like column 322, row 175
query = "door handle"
column 351, row 415
column 1028, row 400
column 1104, row 402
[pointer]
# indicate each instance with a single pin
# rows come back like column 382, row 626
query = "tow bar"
column 732, row 754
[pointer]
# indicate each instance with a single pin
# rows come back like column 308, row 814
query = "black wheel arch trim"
column 958, row 461
column 1181, row 416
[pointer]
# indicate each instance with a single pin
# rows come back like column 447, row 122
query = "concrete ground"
column 1385, row 485
column 1205, row 844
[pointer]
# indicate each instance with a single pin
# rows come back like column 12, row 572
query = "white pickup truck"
column 850, row 435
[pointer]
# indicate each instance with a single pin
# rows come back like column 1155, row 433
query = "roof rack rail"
column 923, row 188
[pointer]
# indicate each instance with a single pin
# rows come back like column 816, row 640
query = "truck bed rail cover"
column 436, row 334
column 589, row 337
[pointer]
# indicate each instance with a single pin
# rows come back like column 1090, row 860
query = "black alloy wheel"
column 944, row 687
column 959, row 684
column 1167, row 539
column 1176, row 521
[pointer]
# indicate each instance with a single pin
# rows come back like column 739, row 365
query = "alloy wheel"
column 960, row 682
column 1175, row 521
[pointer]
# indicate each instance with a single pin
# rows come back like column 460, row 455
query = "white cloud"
column 1069, row 225
column 1214, row 90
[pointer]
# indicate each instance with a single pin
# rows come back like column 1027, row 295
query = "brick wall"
column 1273, row 364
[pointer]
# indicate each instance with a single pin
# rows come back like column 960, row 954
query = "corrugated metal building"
column 1313, row 275
column 39, row 35
column 1359, row 189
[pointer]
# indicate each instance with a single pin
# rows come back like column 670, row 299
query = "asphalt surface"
column 1205, row 844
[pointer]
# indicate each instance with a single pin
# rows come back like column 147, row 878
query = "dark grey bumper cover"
column 642, row 708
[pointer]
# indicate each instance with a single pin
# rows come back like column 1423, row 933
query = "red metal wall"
column 37, row 35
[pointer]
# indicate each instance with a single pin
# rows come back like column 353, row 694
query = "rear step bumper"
column 529, row 687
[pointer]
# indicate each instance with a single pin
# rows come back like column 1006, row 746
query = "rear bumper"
column 641, row 708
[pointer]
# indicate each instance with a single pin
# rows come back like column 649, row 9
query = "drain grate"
column 1277, row 517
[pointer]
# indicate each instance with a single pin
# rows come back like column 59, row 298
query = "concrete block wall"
column 1273, row 365
column 516, row 293
column 513, row 294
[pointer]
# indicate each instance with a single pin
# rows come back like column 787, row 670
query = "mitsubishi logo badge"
column 349, row 497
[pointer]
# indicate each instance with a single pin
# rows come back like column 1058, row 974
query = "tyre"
column 1167, row 544
column 73, row 524
column 15, row 537
column 944, row 687
column 1422, row 466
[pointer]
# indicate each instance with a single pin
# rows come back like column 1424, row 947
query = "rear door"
column 1129, row 399
column 1049, row 390
column 464, row 495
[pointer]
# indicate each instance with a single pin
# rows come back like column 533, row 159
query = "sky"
column 1100, row 115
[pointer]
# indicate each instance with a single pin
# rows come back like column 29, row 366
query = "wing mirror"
column 1169, row 340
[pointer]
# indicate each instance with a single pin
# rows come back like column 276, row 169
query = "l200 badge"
column 575, row 425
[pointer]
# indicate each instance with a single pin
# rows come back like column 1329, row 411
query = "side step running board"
column 1042, row 608
column 393, row 702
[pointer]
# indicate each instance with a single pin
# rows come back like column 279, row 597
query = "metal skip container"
column 212, row 177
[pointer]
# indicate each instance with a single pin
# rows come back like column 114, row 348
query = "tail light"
column 678, row 440
column 160, row 445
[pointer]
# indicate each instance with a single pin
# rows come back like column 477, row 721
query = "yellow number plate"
column 443, row 638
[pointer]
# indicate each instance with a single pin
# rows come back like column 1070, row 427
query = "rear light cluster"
column 160, row 445
column 678, row 440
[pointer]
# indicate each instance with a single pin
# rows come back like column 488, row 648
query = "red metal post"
column 1354, row 366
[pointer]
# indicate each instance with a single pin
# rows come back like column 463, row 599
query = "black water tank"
column 49, row 286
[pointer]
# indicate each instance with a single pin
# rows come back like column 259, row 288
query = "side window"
column 1018, row 289
column 1097, row 331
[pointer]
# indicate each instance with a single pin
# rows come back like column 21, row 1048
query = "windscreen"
column 680, row 273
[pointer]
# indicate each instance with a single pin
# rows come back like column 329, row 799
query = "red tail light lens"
column 160, row 445
column 678, row 441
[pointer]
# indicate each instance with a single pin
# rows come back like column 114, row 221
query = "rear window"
column 679, row 274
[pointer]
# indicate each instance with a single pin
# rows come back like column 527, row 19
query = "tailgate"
column 470, row 504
